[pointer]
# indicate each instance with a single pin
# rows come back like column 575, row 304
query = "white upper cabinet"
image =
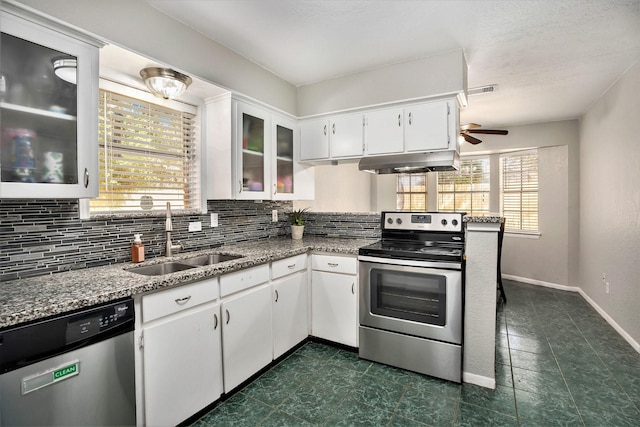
column 384, row 131
column 49, row 121
column 424, row 126
column 251, row 154
column 338, row 137
column 429, row 126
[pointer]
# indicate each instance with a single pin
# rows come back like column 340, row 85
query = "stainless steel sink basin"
column 210, row 259
column 160, row 269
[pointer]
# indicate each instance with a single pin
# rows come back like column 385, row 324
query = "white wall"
column 445, row 73
column 135, row 25
column 610, row 202
column 340, row 188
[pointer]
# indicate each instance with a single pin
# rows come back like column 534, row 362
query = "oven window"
column 411, row 296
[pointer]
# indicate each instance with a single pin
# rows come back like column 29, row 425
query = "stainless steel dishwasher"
column 74, row 369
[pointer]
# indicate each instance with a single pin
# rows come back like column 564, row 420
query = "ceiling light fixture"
column 165, row 82
column 66, row 69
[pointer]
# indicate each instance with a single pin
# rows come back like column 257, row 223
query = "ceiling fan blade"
column 469, row 126
column 489, row 131
column 470, row 139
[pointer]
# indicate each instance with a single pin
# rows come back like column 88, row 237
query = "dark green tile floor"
column 558, row 364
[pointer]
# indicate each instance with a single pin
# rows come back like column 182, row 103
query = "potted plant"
column 297, row 217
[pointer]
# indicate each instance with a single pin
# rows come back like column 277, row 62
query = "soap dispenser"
column 137, row 250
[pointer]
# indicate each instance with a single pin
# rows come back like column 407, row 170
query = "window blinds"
column 147, row 156
column 465, row 190
column 519, row 191
column 411, row 192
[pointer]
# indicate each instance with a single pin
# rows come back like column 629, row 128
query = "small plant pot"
column 297, row 231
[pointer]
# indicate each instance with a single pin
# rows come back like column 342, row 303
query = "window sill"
column 523, row 234
column 160, row 213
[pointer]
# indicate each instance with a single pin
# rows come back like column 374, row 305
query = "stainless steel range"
column 412, row 294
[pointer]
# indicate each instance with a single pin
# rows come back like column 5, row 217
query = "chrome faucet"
column 168, row 228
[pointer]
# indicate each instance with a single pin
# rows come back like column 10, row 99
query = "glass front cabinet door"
column 48, row 112
column 252, row 165
column 284, row 165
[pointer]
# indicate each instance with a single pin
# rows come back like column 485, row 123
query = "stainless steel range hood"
column 410, row 163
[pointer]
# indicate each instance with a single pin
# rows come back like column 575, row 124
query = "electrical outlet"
column 214, row 219
column 274, row 215
column 606, row 288
column 195, row 226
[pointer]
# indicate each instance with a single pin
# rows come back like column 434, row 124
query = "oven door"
column 418, row 298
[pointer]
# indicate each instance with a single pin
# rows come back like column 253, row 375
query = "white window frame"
column 84, row 206
column 486, row 192
column 520, row 232
column 410, row 192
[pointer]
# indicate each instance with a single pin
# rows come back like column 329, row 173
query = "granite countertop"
column 34, row 298
column 489, row 218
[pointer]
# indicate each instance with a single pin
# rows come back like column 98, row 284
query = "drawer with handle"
column 243, row 279
column 170, row 301
column 290, row 265
column 334, row 264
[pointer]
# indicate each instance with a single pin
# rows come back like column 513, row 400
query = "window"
column 519, row 191
column 411, row 192
column 147, row 156
column 465, row 190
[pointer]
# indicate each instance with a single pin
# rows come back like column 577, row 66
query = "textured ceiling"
column 551, row 59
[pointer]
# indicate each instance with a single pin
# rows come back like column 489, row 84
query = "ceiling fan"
column 465, row 130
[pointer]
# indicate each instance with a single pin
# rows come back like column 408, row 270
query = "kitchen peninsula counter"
column 34, row 298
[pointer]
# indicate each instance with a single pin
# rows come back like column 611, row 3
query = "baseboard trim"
column 613, row 323
column 541, row 283
column 468, row 377
column 601, row 312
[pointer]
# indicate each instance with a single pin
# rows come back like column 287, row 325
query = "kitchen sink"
column 183, row 264
column 160, row 269
column 210, row 259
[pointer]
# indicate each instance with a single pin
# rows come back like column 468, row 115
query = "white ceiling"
column 551, row 59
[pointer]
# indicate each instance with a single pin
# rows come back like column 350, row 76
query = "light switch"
column 214, row 219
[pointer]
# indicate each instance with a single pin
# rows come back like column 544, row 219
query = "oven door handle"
column 412, row 263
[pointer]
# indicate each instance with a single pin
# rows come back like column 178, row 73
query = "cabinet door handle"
column 183, row 300
column 332, row 264
column 275, row 189
column 399, row 120
column 353, row 288
column 228, row 316
column 291, row 266
column 215, row 321
column 410, row 119
column 325, row 130
column 277, row 296
column 86, row 177
column 333, row 128
column 239, row 186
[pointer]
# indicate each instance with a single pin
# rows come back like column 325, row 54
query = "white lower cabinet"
column 290, row 314
column 181, row 355
column 246, row 334
column 334, row 299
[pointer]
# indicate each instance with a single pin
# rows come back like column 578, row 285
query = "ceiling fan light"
column 66, row 68
column 164, row 82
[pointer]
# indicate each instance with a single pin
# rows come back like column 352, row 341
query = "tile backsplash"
column 39, row 237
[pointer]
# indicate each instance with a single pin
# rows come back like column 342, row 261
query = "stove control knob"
column 389, row 220
column 443, row 222
column 454, row 222
column 398, row 221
